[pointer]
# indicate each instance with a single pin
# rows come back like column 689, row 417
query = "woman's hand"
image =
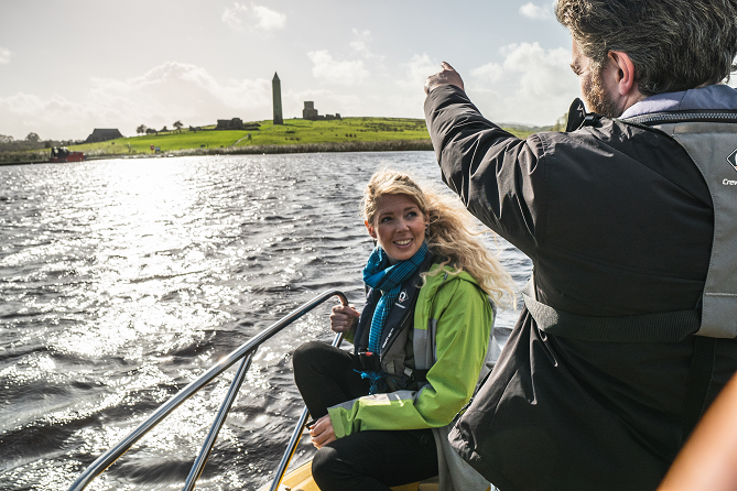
column 343, row 318
column 322, row 432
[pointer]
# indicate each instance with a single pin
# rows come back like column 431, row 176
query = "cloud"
column 166, row 93
column 361, row 42
column 4, row 56
column 326, row 102
column 541, row 72
column 416, row 71
column 407, row 97
column 22, row 113
column 174, row 83
column 532, row 11
column 381, row 94
column 269, row 19
column 338, row 72
column 491, row 72
column 230, row 16
column 258, row 17
column 532, row 84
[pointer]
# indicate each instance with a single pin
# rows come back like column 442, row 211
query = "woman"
column 420, row 344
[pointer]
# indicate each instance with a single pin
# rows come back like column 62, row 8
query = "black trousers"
column 367, row 460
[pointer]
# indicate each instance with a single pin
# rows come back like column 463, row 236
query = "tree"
column 178, row 125
column 141, row 129
column 151, row 131
column 560, row 123
column 164, row 128
column 33, row 137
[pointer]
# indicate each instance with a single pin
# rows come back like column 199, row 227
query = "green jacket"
column 455, row 316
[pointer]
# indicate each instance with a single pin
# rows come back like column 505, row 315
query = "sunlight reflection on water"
column 122, row 281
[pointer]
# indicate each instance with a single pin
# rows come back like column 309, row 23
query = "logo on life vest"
column 732, row 159
column 403, row 293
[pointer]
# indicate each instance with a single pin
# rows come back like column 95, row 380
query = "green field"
column 292, row 132
column 295, row 135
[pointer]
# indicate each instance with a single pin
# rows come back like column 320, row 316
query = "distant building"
column 233, row 124
column 103, row 135
column 310, row 113
column 230, row 124
column 276, row 94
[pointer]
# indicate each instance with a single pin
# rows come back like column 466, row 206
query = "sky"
column 69, row 66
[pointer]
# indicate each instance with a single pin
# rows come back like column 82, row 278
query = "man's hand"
column 447, row 76
column 322, row 432
column 343, row 317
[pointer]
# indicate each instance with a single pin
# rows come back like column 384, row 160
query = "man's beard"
column 597, row 99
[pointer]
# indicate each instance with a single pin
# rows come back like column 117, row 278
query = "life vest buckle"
column 370, row 362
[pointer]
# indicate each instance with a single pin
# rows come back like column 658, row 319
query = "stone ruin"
column 230, row 124
column 236, row 124
column 310, row 113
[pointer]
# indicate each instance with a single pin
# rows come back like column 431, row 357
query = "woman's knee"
column 305, row 355
column 327, row 469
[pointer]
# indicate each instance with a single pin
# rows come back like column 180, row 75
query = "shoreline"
column 332, row 147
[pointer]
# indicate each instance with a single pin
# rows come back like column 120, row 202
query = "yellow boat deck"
column 300, row 479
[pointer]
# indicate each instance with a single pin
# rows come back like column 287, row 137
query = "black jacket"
column 617, row 221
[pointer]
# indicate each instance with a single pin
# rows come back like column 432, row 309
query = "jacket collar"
column 720, row 97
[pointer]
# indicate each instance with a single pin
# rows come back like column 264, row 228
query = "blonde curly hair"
column 452, row 234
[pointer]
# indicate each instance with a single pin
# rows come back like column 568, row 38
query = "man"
column 603, row 378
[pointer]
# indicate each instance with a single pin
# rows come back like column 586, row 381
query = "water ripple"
column 121, row 281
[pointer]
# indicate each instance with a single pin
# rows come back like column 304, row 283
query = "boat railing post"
column 296, row 434
column 245, row 350
column 235, row 385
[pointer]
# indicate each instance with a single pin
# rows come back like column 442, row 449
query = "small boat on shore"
column 62, row 154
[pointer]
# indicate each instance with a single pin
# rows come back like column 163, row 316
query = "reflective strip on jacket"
column 461, row 315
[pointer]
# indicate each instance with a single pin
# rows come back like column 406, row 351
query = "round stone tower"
column 276, row 93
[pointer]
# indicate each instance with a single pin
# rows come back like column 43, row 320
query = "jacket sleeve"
column 496, row 175
column 463, row 330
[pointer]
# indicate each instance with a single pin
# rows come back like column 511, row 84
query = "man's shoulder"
column 591, row 137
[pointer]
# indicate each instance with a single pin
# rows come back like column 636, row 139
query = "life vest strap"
column 662, row 327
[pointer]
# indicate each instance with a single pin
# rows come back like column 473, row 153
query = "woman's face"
column 398, row 226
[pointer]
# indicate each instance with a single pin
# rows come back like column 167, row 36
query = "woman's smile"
column 399, row 226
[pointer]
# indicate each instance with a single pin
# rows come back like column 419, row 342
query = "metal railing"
column 246, row 352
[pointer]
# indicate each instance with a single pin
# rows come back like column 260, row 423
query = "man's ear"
column 623, row 71
column 370, row 229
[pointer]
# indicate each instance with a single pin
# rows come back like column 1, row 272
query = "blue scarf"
column 380, row 275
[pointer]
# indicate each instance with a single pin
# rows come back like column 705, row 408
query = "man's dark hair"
column 674, row 44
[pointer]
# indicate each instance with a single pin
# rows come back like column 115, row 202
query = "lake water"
column 121, row 281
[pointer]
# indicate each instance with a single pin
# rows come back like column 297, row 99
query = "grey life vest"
column 710, row 139
column 406, row 364
column 393, row 359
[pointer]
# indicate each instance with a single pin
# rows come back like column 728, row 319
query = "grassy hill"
column 295, row 135
column 292, row 132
